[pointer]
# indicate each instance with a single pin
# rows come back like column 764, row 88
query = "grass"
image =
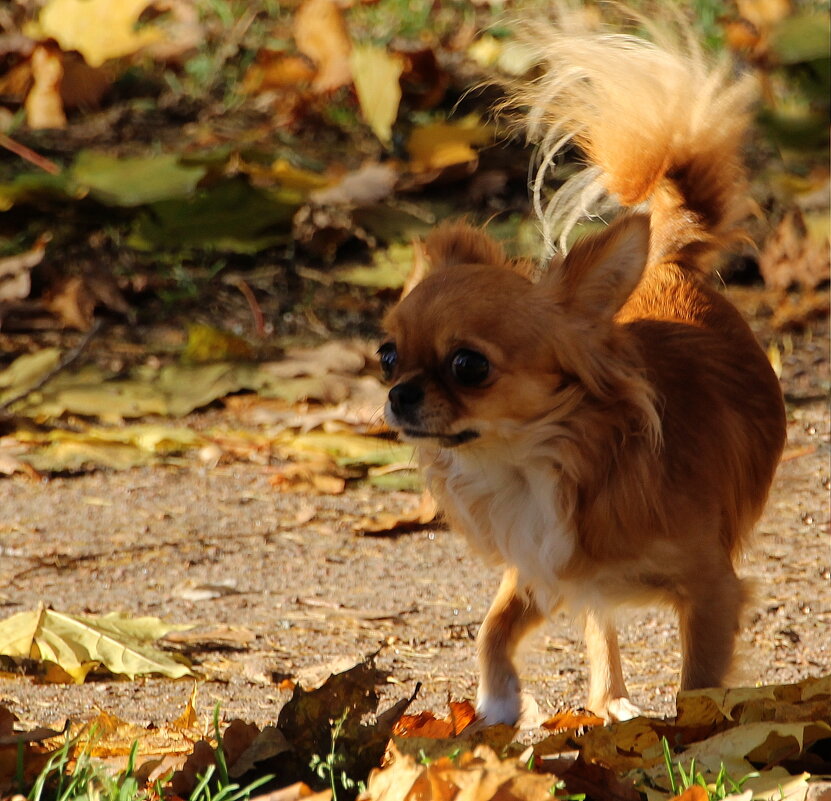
column 89, row 780
column 722, row 787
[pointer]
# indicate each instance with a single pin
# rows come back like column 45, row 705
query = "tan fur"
column 621, row 446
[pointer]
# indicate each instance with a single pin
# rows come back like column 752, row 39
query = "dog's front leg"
column 608, row 696
column 511, row 615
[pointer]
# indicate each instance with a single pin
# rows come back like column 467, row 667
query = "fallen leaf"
column 72, row 302
column 425, row 724
column 15, row 271
column 318, row 476
column 571, row 720
column 26, row 371
column 230, row 216
column 78, row 643
column 441, row 144
column 389, row 268
column 377, row 74
column 98, row 29
column 794, row 254
column 389, row 523
column 209, row 344
column 130, row 182
column 320, row 33
column 366, row 185
column 44, row 107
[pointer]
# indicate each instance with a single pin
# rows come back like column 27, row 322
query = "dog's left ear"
column 459, row 243
column 600, row 271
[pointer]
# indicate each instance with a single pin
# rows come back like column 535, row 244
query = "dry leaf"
column 72, row 302
column 366, row 185
column 571, row 720
column 390, row 523
column 44, row 107
column 793, row 254
column 78, row 643
column 98, row 29
column 320, row 33
column 425, row 724
column 15, row 278
column 376, row 74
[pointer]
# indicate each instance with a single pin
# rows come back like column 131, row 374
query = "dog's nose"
column 404, row 397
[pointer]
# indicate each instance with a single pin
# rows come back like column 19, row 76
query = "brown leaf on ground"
column 571, row 720
column 318, row 475
column 299, row 791
column 425, row 724
column 391, row 523
column 792, row 255
column 15, row 271
column 320, row 33
column 476, row 776
column 72, row 302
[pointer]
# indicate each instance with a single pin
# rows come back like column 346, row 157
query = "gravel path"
column 295, row 593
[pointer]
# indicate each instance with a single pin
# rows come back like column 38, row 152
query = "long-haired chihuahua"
column 608, row 432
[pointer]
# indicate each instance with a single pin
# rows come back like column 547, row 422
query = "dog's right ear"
column 459, row 243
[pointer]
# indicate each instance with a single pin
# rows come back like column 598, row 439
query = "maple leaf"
column 78, row 643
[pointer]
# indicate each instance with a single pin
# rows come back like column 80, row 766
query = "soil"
column 280, row 586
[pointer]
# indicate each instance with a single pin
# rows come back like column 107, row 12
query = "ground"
column 280, row 586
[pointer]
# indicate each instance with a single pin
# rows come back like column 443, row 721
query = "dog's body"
column 610, row 432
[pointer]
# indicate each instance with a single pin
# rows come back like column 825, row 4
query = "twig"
column 67, row 360
column 256, row 311
column 29, row 155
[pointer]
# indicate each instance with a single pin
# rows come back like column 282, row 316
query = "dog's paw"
column 618, row 709
column 493, row 709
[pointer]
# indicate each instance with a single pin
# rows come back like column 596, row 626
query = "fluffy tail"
column 657, row 125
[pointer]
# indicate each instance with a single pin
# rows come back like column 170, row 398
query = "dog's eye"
column 469, row 368
column 388, row 357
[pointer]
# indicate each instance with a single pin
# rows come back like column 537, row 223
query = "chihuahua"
column 608, row 432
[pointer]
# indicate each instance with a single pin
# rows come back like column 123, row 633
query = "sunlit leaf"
column 98, row 29
column 78, row 643
column 376, row 74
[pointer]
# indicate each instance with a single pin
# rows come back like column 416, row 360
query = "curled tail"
column 658, row 125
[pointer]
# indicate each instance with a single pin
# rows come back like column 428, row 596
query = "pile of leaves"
column 169, row 139
column 763, row 743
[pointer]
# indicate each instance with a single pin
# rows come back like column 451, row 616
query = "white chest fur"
column 509, row 511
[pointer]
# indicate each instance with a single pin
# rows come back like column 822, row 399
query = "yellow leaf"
column 77, row 643
column 443, row 144
column 98, row 29
column 376, row 74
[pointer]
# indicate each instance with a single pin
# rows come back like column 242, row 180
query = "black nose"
column 405, row 397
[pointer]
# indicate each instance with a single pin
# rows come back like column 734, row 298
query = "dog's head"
column 476, row 348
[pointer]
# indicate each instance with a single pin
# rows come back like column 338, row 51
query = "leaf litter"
column 773, row 738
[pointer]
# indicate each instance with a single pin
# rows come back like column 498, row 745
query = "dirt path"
column 305, row 596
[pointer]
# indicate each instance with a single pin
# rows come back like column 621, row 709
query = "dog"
column 609, row 430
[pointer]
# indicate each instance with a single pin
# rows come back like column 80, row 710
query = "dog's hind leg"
column 709, row 618
column 511, row 615
column 608, row 696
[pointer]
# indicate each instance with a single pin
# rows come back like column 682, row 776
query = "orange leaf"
column 44, row 107
column 572, row 720
column 425, row 724
column 320, row 33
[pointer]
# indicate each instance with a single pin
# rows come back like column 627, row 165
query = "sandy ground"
column 295, row 593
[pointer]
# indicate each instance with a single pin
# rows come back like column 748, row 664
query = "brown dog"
column 609, row 432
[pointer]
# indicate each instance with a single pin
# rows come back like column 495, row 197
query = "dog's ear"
column 459, row 243
column 601, row 270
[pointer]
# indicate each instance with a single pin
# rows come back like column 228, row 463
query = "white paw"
column 493, row 709
column 618, row 709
